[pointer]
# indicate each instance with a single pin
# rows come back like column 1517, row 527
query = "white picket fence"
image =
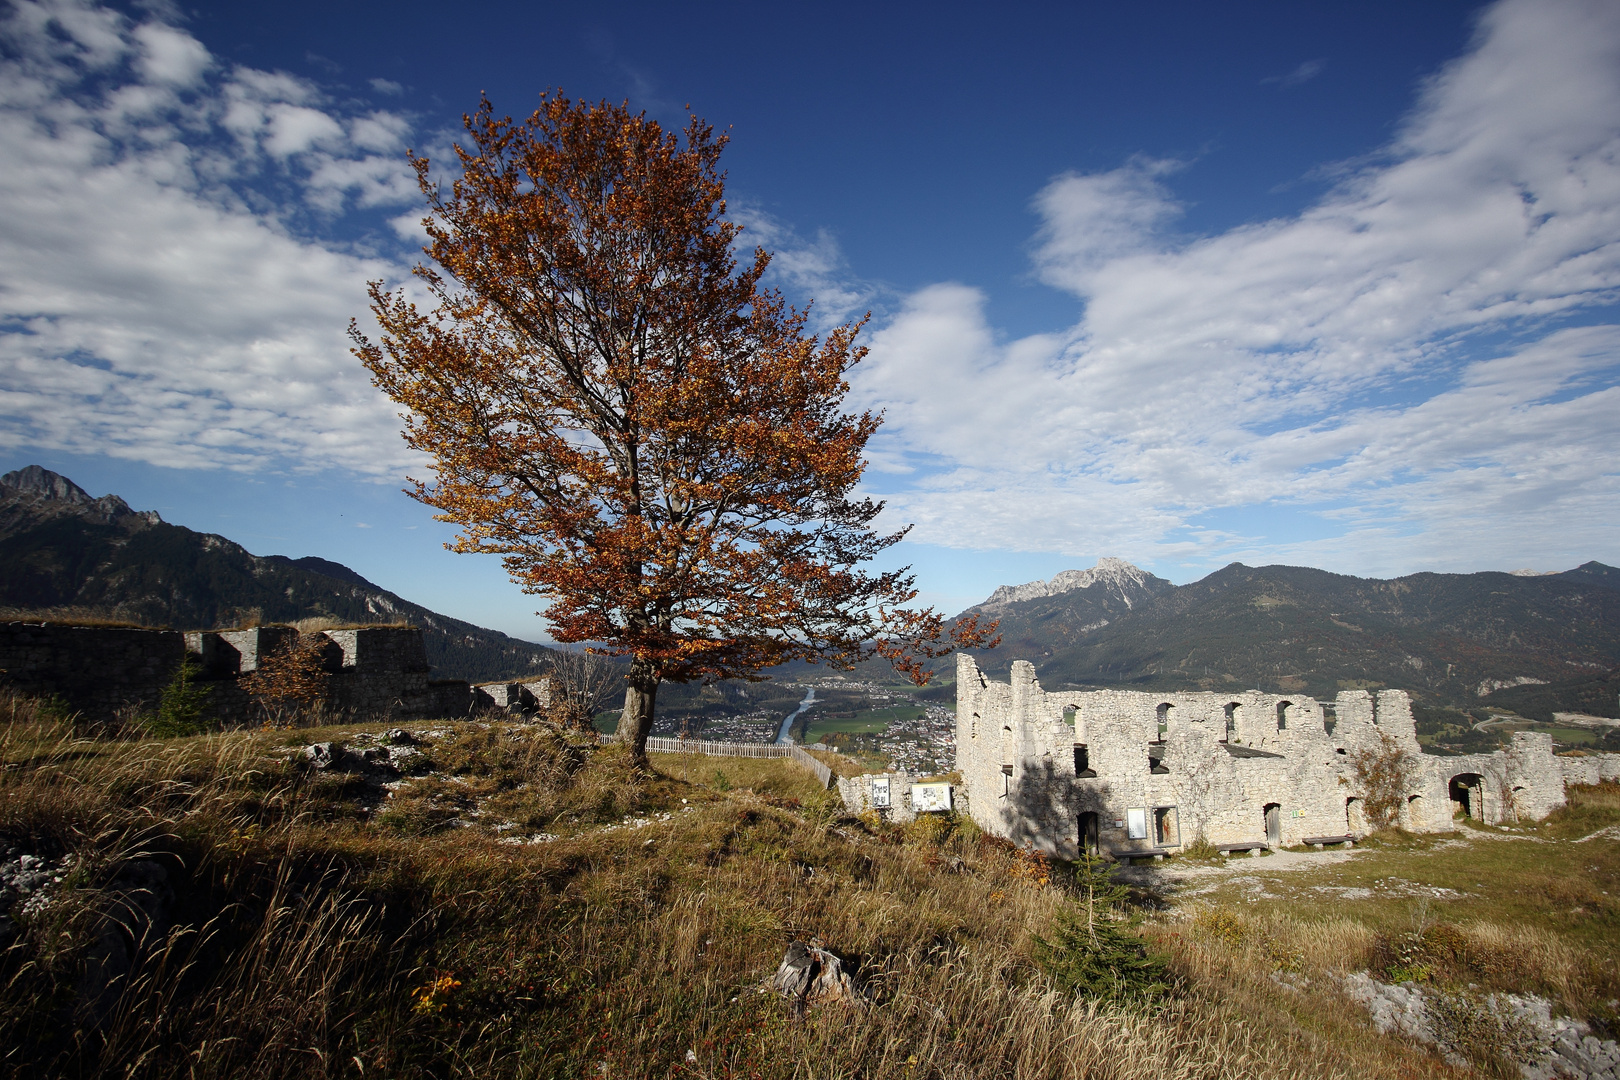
column 659, row 745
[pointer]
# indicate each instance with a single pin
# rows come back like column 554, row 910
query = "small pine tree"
column 1093, row 951
column 180, row 708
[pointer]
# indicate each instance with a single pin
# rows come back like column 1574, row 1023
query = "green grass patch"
column 867, row 721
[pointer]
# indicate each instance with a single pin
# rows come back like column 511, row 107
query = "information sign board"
column 1136, row 824
column 929, row 798
column 880, row 793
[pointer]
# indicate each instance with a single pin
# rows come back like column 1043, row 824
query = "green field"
column 869, row 721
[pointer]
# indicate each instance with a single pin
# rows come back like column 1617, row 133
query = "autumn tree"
column 650, row 439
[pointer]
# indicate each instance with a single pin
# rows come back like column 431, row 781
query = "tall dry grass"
column 307, row 938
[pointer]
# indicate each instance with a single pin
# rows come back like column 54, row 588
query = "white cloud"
column 170, row 56
column 294, row 129
column 803, row 268
column 1396, row 361
column 157, row 304
column 1304, row 73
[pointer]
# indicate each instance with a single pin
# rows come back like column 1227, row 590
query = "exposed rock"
column 327, row 755
column 1115, row 574
column 810, row 975
column 1544, row 1047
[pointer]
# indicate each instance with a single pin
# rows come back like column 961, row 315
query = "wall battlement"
column 1129, row 773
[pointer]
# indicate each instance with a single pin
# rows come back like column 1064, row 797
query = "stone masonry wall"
column 96, row 670
column 374, row 671
column 1235, row 768
column 856, row 792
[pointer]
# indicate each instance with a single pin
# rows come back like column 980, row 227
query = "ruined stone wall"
column 96, row 670
column 1590, row 769
column 380, row 671
column 856, row 792
column 1243, row 768
column 513, row 697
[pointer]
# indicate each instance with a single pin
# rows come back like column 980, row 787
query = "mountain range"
column 1455, row 638
column 60, row 548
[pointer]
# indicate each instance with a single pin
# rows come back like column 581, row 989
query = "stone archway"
column 1467, row 791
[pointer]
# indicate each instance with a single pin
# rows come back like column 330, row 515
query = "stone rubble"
column 28, row 880
column 1570, row 1050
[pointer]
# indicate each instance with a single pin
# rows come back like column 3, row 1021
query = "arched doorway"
column 1090, row 835
column 1467, row 792
column 1274, row 824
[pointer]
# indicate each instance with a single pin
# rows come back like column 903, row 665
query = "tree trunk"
column 636, row 721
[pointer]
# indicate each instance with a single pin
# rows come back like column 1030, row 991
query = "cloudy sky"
column 1181, row 283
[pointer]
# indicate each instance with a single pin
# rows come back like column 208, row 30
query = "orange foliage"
column 292, row 675
column 650, row 439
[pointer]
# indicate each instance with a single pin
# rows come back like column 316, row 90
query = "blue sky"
column 1184, row 284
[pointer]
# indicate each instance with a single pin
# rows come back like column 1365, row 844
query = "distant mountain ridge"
column 1447, row 637
column 61, row 548
column 1116, row 576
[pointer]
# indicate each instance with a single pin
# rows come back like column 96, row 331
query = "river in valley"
column 787, row 725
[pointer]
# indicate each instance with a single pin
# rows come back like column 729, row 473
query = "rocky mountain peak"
column 41, row 483
column 37, row 491
column 1117, row 576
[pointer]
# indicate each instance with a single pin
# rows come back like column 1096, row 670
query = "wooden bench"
column 1319, row 842
column 1156, row 854
column 1253, row 847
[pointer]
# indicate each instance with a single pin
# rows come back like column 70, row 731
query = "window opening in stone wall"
column 1090, row 835
column 1231, row 722
column 973, row 728
column 1165, row 709
column 1156, row 764
column 1069, row 714
column 1282, row 714
column 1330, row 718
column 1082, row 761
column 1273, row 814
column 1166, row 829
column 1006, row 780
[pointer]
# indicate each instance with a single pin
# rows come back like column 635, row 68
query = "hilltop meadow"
column 497, row 899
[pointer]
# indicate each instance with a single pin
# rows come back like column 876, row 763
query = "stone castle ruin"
column 1130, row 774
column 370, row 672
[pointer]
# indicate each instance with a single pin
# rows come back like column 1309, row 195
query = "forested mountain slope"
column 1453, row 637
column 61, row 548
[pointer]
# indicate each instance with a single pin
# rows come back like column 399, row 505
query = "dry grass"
column 312, row 937
column 318, row 623
column 1529, row 910
column 75, row 616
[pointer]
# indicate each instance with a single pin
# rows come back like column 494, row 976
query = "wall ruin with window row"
column 1244, row 768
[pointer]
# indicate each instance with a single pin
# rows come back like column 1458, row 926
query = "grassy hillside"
column 518, row 904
